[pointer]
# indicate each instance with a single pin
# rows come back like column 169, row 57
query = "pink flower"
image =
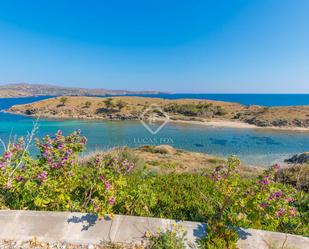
column 7, row 155
column 60, row 146
column 276, row 166
column 42, row 176
column 111, row 201
column 277, row 194
column 265, row 180
column 289, row 199
column 280, row 212
column 97, row 160
column 2, row 165
column 263, row 205
column 215, row 177
column 107, row 185
column 8, row 184
column 19, row 178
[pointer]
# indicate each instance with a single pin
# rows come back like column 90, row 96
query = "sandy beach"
column 238, row 125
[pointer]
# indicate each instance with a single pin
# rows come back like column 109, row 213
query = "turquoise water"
column 256, row 147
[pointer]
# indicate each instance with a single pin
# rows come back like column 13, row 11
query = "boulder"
column 298, row 158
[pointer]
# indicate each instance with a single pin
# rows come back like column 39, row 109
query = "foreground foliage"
column 55, row 181
column 111, row 183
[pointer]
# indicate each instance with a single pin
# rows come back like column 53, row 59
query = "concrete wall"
column 80, row 228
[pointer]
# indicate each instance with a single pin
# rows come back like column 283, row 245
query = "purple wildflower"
column 111, row 201
column 277, row 194
column 280, row 212
column 97, row 160
column 2, row 165
column 42, row 176
column 19, row 178
column 7, row 155
column 107, row 185
column 289, row 200
column 265, row 180
column 263, row 205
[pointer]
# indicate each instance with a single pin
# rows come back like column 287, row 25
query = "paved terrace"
column 81, row 228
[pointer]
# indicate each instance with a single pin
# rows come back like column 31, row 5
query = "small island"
column 206, row 112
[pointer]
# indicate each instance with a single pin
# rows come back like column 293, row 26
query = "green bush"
column 201, row 109
column 55, row 181
column 169, row 239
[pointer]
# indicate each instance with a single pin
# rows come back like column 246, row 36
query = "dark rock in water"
column 298, row 158
column 199, row 145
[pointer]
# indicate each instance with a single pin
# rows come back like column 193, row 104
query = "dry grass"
column 296, row 175
column 76, row 107
column 165, row 159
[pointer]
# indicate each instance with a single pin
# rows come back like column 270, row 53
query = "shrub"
column 54, row 181
column 201, row 109
column 169, row 239
column 297, row 176
column 121, row 104
column 220, row 111
column 264, row 204
column 88, row 104
column 109, row 103
column 63, row 100
column 154, row 149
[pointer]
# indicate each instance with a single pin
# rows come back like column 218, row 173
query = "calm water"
column 245, row 99
column 259, row 147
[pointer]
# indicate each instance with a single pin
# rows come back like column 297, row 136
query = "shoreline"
column 211, row 123
column 239, row 125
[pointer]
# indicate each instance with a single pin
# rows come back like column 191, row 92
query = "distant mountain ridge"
column 27, row 90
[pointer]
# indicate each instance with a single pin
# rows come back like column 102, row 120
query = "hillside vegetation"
column 118, row 183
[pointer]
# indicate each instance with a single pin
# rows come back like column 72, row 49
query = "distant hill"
column 26, row 90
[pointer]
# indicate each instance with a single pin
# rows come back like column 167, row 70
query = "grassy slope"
column 165, row 159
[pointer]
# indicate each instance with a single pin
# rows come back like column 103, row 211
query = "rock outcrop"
column 298, row 158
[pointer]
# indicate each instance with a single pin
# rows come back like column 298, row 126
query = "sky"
column 207, row 46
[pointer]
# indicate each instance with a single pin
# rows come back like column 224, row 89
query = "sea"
column 257, row 147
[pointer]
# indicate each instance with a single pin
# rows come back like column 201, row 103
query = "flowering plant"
column 55, row 180
column 263, row 204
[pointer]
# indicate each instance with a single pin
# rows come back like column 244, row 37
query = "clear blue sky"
column 168, row 45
